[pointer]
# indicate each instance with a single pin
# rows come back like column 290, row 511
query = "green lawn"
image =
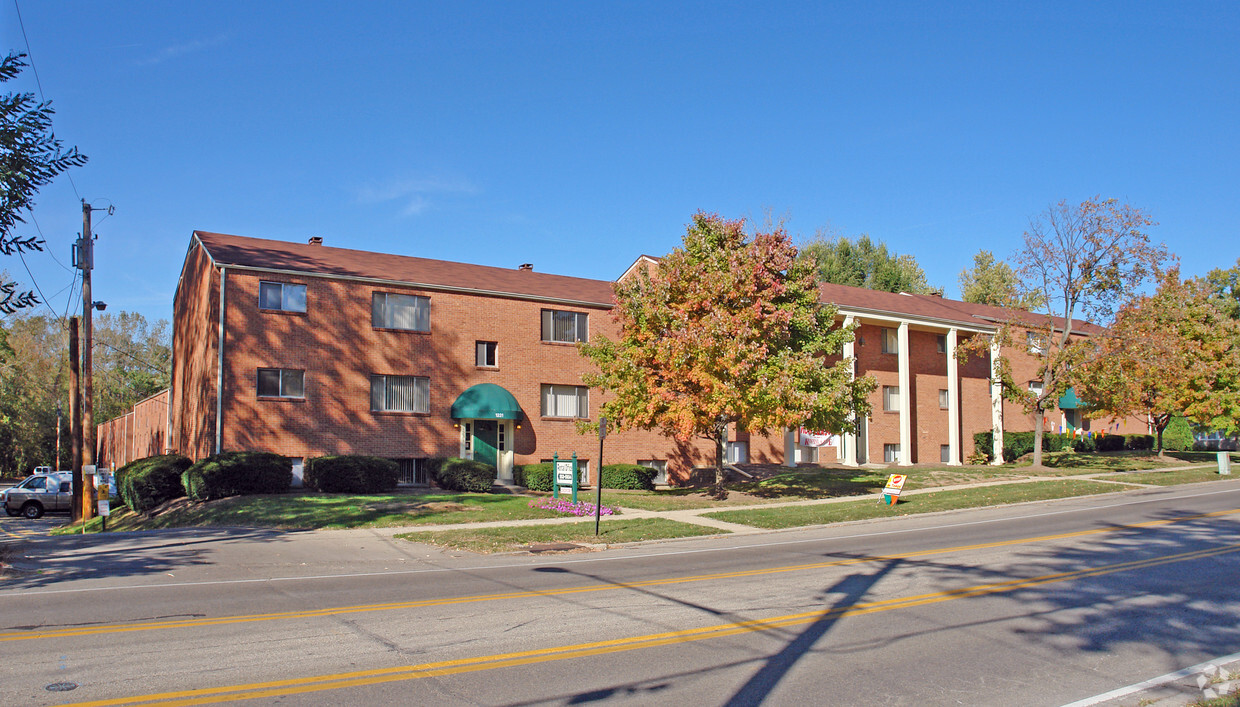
column 796, row 516
column 511, row 539
column 302, row 511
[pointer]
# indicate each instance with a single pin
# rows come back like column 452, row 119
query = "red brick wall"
column 335, row 344
column 195, row 352
column 139, row 434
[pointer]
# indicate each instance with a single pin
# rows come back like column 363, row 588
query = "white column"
column 906, row 417
column 953, row 398
column 790, row 447
column 848, row 442
column 996, row 403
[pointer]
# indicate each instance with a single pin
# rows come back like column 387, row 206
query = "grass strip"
column 796, row 516
column 485, row 540
column 1172, row 478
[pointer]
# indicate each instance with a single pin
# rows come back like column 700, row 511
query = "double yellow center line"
column 364, row 678
column 568, row 591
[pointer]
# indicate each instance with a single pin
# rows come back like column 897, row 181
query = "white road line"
column 1154, row 682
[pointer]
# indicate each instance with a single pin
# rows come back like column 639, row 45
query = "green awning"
column 486, row 401
column 1069, row 401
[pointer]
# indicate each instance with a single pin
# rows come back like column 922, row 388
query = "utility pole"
column 85, row 261
column 56, row 464
column 75, row 421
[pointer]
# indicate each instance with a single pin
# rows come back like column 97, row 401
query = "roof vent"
column 528, row 267
column 316, row 240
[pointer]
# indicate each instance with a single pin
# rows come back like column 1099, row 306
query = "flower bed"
column 563, row 505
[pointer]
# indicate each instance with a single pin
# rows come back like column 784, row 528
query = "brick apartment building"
column 307, row 350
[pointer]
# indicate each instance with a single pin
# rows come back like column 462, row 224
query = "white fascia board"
column 893, row 318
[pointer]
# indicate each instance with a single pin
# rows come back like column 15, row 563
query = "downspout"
column 219, row 382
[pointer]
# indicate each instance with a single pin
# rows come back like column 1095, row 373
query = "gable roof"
column 326, row 261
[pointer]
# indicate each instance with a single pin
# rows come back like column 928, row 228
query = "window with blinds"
column 559, row 325
column 565, row 401
column 400, row 394
column 389, row 310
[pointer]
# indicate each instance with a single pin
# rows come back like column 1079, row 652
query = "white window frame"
column 891, row 453
column 486, row 354
column 944, row 400
column 292, row 296
column 940, row 341
column 552, row 393
column 891, row 398
column 580, row 325
column 1036, row 345
column 1036, row 388
column 891, row 341
column 419, row 395
column 945, row 453
column 384, row 311
column 285, row 385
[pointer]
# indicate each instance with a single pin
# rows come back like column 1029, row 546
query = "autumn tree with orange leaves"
column 1171, row 353
column 727, row 331
column 1081, row 261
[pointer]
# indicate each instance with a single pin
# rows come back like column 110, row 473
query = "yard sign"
column 895, row 484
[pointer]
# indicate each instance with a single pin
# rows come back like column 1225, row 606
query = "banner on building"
column 817, row 438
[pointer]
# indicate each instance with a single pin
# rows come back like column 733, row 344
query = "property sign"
column 817, row 438
column 565, row 471
column 895, row 484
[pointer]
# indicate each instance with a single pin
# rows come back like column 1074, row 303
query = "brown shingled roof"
column 266, row 254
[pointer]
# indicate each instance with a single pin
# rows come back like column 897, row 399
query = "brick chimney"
column 528, row 267
column 316, row 240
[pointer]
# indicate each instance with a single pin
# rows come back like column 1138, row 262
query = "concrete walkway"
column 697, row 516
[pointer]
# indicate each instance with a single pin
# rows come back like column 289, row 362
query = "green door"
column 485, row 436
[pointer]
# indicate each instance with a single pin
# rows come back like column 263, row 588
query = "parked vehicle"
column 40, row 493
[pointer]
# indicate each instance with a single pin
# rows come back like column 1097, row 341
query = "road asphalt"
column 96, row 562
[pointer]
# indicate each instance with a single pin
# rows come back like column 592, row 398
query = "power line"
column 43, row 98
column 149, row 365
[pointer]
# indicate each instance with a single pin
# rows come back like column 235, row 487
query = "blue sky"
column 579, row 135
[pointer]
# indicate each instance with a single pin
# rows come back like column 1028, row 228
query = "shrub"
column 1088, row 443
column 1110, row 443
column 1138, row 442
column 351, row 474
column 146, row 483
column 983, row 446
column 628, row 476
column 535, row 477
column 465, row 475
column 1178, row 437
column 237, row 474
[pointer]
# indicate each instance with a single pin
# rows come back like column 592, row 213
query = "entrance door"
column 485, row 438
column 862, row 443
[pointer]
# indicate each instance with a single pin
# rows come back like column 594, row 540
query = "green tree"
column 728, row 331
column 1081, row 261
column 1167, row 354
column 30, row 157
column 131, row 363
column 992, row 282
column 864, row 263
column 1224, row 286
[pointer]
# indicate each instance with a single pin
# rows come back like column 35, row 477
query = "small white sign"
column 564, row 472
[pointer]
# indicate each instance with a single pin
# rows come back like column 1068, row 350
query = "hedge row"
column 351, row 474
column 538, row 477
column 146, row 483
column 237, row 474
column 1018, row 444
column 464, row 475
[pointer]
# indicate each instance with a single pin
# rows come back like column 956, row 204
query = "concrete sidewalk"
column 697, row 516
